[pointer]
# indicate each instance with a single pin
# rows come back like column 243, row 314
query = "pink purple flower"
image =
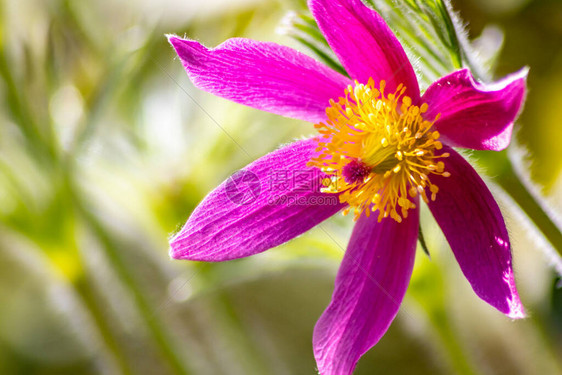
column 381, row 146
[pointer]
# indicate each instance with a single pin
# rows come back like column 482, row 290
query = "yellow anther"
column 413, row 192
column 390, row 139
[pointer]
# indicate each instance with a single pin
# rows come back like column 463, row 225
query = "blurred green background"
column 106, row 147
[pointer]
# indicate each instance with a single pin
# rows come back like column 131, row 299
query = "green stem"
column 523, row 194
column 248, row 351
column 429, row 288
column 156, row 328
column 451, row 343
column 20, row 113
column 89, row 298
column 512, row 183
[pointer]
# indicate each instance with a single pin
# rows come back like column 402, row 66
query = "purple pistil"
column 355, row 171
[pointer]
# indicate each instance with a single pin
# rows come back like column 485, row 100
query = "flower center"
column 379, row 151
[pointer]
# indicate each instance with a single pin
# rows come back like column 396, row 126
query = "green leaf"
column 303, row 28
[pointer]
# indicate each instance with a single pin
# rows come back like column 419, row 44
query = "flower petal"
column 271, row 201
column 262, row 75
column 364, row 44
column 476, row 115
column 371, row 282
column 473, row 224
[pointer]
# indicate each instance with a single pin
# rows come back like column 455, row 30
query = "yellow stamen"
column 379, row 151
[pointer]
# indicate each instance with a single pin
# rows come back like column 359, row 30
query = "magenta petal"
column 476, row 115
column 371, row 283
column 271, row 201
column 473, row 224
column 364, row 44
column 262, row 75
